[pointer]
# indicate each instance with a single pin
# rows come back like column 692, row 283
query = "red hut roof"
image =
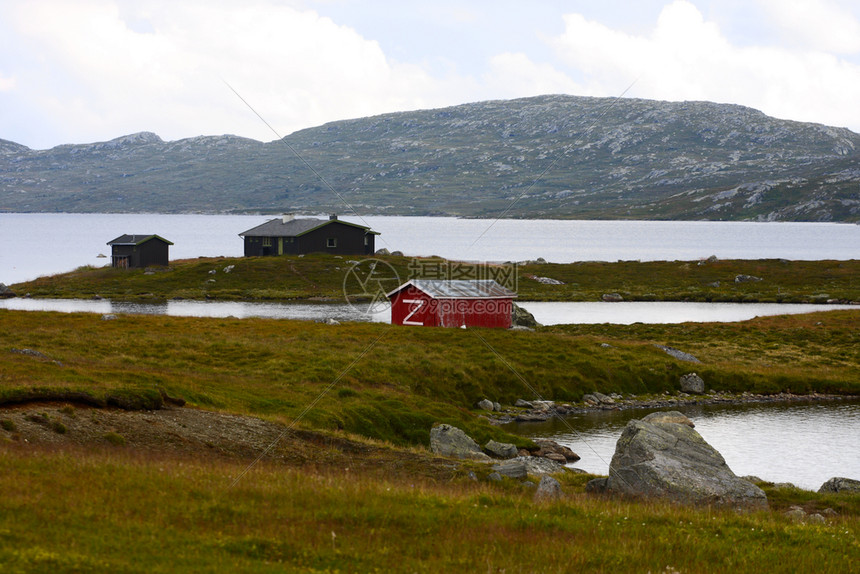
column 458, row 289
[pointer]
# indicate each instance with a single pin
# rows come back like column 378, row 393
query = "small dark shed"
column 139, row 251
column 437, row 303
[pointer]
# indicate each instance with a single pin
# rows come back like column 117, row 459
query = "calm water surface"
column 801, row 443
column 35, row 244
column 550, row 313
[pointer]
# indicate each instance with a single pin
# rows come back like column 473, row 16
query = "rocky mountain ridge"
column 547, row 156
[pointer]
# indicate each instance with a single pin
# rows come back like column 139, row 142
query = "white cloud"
column 7, row 84
column 515, row 76
column 294, row 67
column 685, row 57
column 818, row 24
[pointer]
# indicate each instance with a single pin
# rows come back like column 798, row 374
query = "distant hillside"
column 548, row 156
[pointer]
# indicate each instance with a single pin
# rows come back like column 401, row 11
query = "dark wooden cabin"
column 454, row 303
column 139, row 250
column 288, row 235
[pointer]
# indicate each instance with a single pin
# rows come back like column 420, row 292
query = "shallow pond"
column 802, row 443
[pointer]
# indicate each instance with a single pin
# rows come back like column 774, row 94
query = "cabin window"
column 366, row 240
column 331, row 242
column 267, row 242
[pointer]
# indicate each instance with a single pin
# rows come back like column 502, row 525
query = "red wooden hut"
column 436, row 303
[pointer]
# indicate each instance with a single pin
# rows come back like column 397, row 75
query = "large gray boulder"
column 548, row 490
column 522, row 318
column 839, row 484
column 447, row 440
column 662, row 456
column 501, row 449
column 692, row 383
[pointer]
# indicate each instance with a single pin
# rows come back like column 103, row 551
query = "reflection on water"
column 551, row 313
column 222, row 309
column 801, row 443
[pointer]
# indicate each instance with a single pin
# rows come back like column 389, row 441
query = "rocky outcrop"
column 548, row 490
column 746, row 278
column 612, row 297
column 839, row 484
column 662, row 456
column 522, row 318
column 680, row 355
column 6, row 292
column 693, row 384
column 523, row 466
column 501, row 449
column 554, row 451
column 447, row 440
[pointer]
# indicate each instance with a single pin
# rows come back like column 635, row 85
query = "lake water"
column 802, row 443
column 549, row 313
column 35, row 244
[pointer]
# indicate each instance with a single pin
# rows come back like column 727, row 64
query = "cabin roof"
column 458, row 289
column 295, row 227
column 136, row 239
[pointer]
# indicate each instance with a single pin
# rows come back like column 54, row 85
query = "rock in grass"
column 548, row 490
column 486, row 404
column 839, row 484
column 501, row 449
column 692, row 383
column 447, row 440
column 680, row 355
column 657, row 457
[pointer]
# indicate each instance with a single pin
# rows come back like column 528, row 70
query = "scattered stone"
column 229, row 268
column 714, row 284
column 538, row 466
column 532, row 417
column 472, row 476
column 109, row 317
column 612, row 297
column 746, row 278
column 670, row 460
column 680, row 355
column 497, row 407
column 331, row 321
column 548, row 490
column 522, row 403
column 485, row 404
column 6, row 292
column 692, row 383
column 840, row 484
column 596, row 485
column 383, row 251
column 816, row 518
column 784, row 485
column 528, row 484
column 213, row 271
column 554, row 451
column 606, row 345
column 514, row 468
column 671, row 417
column 796, row 513
column 522, row 318
column 597, row 399
column 501, row 449
column 540, row 260
column 546, row 280
column 447, row 440
column 494, row 476
column 397, row 253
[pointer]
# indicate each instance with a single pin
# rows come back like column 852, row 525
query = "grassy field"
column 115, row 511
column 386, row 506
column 322, row 276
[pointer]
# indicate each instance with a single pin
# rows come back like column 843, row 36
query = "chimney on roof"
column 332, row 217
column 287, row 217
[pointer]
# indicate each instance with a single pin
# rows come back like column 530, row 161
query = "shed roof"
column 458, row 289
column 136, row 239
column 295, row 227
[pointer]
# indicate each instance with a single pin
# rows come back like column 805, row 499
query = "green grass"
column 127, row 513
column 320, row 276
column 393, row 383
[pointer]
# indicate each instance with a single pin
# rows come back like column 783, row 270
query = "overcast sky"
column 79, row 71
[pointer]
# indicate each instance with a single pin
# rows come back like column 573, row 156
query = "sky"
column 82, row 71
